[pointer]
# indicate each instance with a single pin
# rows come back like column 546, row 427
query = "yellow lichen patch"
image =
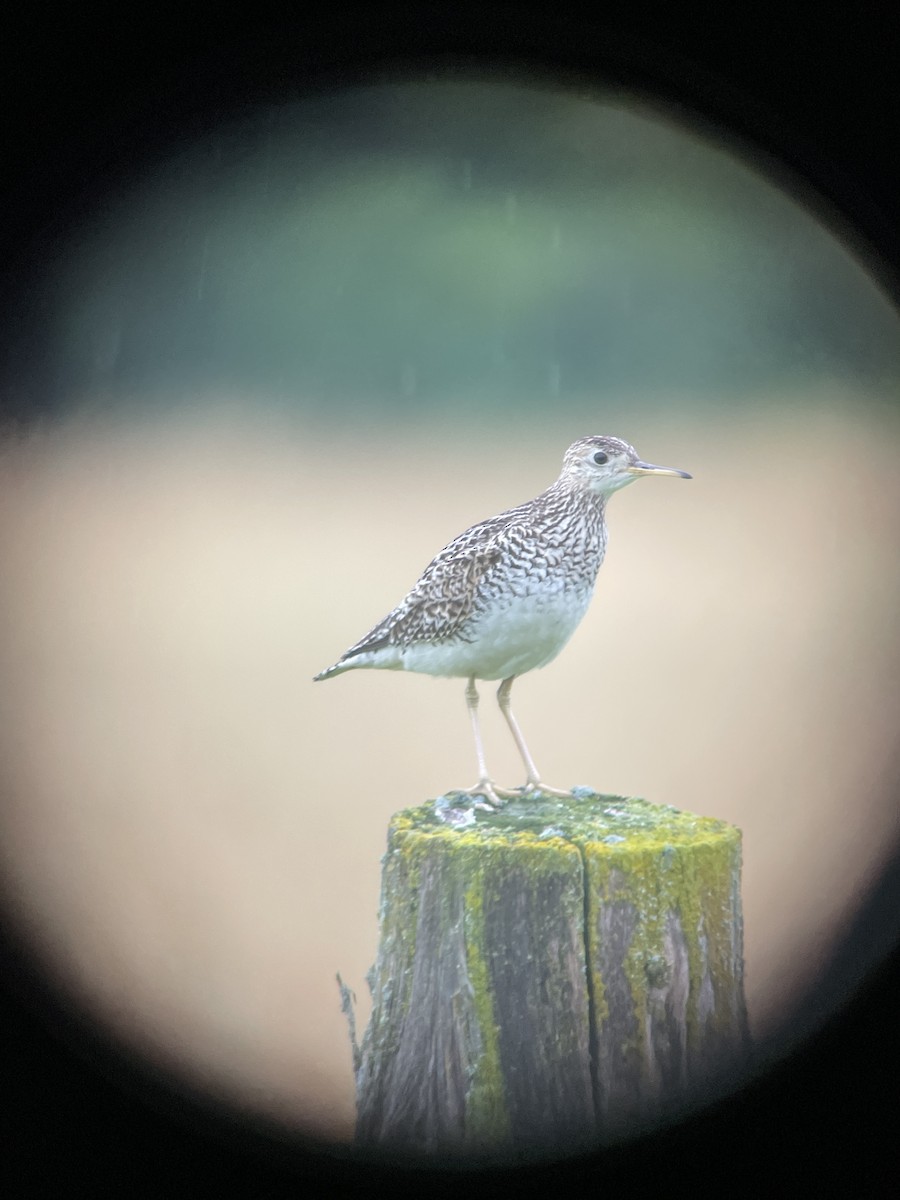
column 487, row 1120
column 682, row 876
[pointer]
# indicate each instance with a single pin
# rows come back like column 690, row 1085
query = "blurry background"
column 282, row 369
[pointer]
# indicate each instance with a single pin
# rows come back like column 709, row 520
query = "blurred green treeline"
column 419, row 242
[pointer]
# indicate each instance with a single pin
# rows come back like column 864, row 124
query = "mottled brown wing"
column 442, row 600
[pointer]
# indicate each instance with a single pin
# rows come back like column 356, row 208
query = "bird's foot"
column 487, row 791
column 493, row 797
column 534, row 787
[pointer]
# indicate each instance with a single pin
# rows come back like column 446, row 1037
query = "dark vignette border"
column 88, row 97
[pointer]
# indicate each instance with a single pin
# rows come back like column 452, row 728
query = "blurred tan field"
column 191, row 830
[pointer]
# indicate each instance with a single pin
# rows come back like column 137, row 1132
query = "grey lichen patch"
column 585, row 817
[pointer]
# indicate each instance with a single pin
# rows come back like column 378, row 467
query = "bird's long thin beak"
column 642, row 468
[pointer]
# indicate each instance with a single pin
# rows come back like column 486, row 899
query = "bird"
column 505, row 596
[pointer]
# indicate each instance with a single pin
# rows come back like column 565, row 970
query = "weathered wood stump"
column 550, row 976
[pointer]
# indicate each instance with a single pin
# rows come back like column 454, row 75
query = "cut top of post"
column 585, row 819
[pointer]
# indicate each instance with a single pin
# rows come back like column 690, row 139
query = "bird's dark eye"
column 600, row 458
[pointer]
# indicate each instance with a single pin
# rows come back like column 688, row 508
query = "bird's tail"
column 334, row 669
column 370, row 652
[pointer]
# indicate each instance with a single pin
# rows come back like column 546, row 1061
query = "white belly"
column 520, row 634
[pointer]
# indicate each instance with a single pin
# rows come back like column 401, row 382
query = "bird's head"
column 605, row 464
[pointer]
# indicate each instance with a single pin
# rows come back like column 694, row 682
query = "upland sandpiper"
column 504, row 597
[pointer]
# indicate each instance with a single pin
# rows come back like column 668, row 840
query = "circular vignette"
column 711, row 91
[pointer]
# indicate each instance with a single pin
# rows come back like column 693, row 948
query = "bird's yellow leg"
column 485, row 786
column 533, row 779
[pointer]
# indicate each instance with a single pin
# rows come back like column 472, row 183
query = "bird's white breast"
column 511, row 635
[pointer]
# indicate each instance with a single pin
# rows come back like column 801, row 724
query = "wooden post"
column 548, row 976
